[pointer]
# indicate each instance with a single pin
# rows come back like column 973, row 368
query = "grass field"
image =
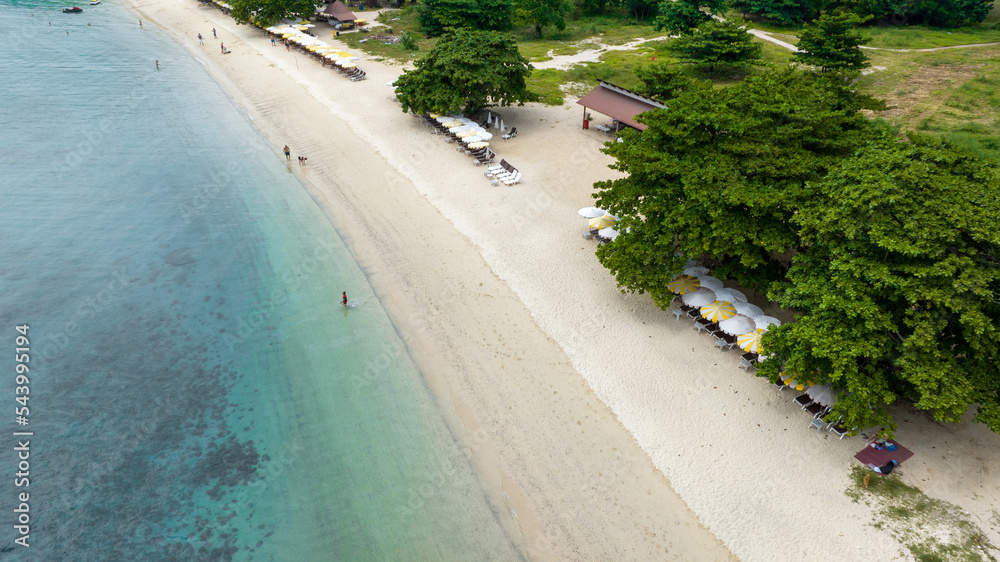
column 951, row 92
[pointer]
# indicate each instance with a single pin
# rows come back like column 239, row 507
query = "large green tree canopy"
column 885, row 248
column 270, row 12
column 719, row 172
column 437, row 16
column 466, row 70
column 897, row 283
column 542, row 13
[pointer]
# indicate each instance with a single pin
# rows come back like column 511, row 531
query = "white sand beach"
column 606, row 428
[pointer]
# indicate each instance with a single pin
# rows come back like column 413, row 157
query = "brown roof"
column 618, row 103
column 339, row 11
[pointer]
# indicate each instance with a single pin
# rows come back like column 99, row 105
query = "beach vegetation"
column 717, row 43
column 680, row 17
column 931, row 529
column 832, row 43
column 782, row 12
column 466, row 70
column 882, row 243
column 661, row 81
column 540, row 14
column 269, row 12
column 438, row 16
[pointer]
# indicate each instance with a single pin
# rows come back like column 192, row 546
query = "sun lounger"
column 838, row 428
column 511, row 134
column 748, row 360
column 802, row 400
column 725, row 341
column 701, row 323
column 512, row 180
column 817, row 410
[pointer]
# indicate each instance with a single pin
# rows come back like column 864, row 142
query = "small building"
column 618, row 103
column 338, row 14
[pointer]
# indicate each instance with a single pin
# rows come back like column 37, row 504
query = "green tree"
column 938, row 13
column 437, row 16
column 897, row 284
column 466, row 70
column 542, row 13
column 269, row 12
column 717, row 43
column 832, row 43
column 786, row 12
column 719, row 174
column 661, row 82
column 680, row 17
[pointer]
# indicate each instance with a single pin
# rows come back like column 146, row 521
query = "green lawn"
column 921, row 37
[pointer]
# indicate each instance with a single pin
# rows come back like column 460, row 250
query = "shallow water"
column 196, row 389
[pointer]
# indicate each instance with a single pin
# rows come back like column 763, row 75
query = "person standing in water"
column 344, row 301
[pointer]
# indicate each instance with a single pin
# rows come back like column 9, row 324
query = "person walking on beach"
column 214, row 36
column 157, row 65
column 288, row 153
column 272, row 41
column 200, row 40
column 344, row 301
column 140, row 23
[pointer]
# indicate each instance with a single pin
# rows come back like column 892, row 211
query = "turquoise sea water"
column 196, row 390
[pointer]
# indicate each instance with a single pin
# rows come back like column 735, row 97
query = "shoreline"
column 542, row 498
column 578, row 402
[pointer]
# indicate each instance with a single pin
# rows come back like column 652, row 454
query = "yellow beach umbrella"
column 683, row 284
column 603, row 222
column 718, row 311
column 791, row 382
column 479, row 144
column 751, row 342
column 301, row 27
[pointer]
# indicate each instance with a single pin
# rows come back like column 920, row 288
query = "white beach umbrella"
column 726, row 294
column 709, row 282
column 766, row 321
column 609, row 233
column 489, row 118
column 591, row 212
column 823, row 394
column 736, row 325
column 747, row 309
column 696, row 270
column 699, row 297
column 502, row 126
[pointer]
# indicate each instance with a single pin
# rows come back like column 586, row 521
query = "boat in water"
column 95, row 2
column 73, row 10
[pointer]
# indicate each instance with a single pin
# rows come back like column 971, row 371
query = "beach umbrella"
column 709, row 282
column 791, row 382
column 699, row 297
column 591, row 212
column 737, row 295
column 502, row 126
column 609, row 233
column 726, row 294
column 718, row 310
column 823, row 394
column 751, row 341
column 766, row 321
column 301, row 27
column 603, row 221
column 683, row 284
column 478, row 144
column 489, row 118
column 696, row 270
column 737, row 324
column 747, row 309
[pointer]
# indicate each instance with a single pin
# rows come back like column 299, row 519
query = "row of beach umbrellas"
column 726, row 306
column 467, row 130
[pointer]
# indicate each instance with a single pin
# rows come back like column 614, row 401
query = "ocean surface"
column 194, row 389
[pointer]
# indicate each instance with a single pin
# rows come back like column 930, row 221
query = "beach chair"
column 748, row 360
column 839, row 428
column 725, row 341
column 817, row 410
column 485, row 158
column 512, row 180
column 511, row 134
column 802, row 400
column 701, row 324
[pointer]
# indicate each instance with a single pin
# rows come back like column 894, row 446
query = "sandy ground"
column 608, row 429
